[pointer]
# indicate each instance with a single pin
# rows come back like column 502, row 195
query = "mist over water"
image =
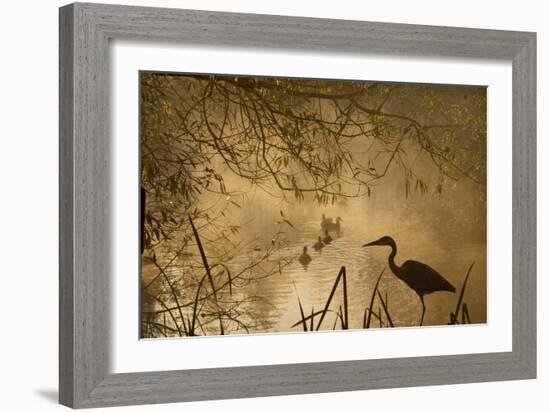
column 425, row 228
column 446, row 231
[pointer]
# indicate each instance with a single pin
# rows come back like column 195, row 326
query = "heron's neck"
column 391, row 261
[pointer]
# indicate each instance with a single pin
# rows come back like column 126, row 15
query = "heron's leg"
column 423, row 309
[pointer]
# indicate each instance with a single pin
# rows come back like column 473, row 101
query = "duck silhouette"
column 319, row 244
column 336, row 225
column 327, row 239
column 325, row 222
column 304, row 258
column 328, row 224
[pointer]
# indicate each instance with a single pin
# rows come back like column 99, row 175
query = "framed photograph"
column 256, row 205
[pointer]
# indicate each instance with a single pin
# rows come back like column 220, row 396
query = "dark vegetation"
column 378, row 308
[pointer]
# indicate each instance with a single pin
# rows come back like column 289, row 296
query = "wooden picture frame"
column 85, row 31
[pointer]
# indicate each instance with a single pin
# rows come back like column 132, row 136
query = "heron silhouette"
column 418, row 276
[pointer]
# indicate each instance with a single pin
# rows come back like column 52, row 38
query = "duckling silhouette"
column 319, row 244
column 304, row 258
column 327, row 239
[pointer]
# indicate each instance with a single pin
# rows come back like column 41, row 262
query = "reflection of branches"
column 198, row 306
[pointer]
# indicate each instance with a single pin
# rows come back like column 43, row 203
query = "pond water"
column 438, row 238
column 313, row 284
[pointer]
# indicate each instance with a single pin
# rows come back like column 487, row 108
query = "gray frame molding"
column 85, row 30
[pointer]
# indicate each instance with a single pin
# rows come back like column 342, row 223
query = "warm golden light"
column 259, row 193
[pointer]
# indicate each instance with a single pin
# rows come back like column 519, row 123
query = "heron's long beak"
column 375, row 243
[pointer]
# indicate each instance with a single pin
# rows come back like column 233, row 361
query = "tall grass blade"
column 301, row 309
column 342, row 271
column 195, row 308
column 308, row 317
column 372, row 299
column 188, row 324
column 207, row 268
column 229, row 277
column 345, row 323
column 385, row 306
column 335, row 322
column 465, row 314
column 340, row 315
column 454, row 317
